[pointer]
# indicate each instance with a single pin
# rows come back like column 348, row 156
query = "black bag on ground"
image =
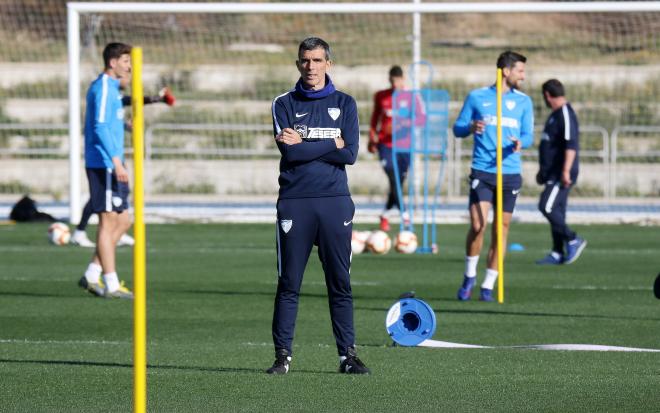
column 25, row 210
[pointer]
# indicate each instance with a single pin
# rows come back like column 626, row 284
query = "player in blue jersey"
column 558, row 171
column 79, row 236
column 479, row 117
column 107, row 176
column 317, row 133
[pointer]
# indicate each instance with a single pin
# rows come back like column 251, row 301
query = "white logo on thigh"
column 286, row 225
column 116, row 201
column 515, row 191
column 475, row 183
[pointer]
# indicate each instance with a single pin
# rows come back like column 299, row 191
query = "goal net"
column 226, row 67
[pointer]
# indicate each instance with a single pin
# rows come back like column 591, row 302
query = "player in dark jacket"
column 558, row 171
column 316, row 129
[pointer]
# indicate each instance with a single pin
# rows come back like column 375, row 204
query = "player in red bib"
column 380, row 140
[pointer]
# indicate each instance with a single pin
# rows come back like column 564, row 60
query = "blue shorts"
column 106, row 194
column 482, row 189
column 402, row 158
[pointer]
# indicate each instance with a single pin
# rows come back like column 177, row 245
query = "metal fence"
column 635, row 147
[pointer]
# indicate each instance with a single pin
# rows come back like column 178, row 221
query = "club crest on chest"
column 334, row 113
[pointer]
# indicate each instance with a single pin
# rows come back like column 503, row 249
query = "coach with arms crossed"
column 316, row 130
column 479, row 117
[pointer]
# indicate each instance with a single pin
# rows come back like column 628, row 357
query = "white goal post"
column 76, row 9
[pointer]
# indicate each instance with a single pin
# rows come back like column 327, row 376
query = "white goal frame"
column 415, row 8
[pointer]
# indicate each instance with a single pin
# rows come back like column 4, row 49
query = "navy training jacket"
column 315, row 167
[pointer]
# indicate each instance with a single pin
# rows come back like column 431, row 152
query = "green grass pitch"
column 210, row 300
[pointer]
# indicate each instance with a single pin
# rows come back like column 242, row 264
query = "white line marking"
column 601, row 287
column 322, row 283
column 66, row 342
column 562, row 347
column 252, row 344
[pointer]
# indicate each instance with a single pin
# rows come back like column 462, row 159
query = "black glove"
column 539, row 178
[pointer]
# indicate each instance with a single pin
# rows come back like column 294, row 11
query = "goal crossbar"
column 302, row 8
column 415, row 8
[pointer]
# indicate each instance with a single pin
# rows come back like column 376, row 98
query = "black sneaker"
column 352, row 364
column 282, row 362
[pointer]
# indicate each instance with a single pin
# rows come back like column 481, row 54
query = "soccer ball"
column 379, row 242
column 359, row 241
column 59, row 234
column 406, row 242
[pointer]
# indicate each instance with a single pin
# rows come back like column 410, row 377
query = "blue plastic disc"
column 410, row 321
column 516, row 247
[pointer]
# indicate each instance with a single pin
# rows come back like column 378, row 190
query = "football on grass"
column 379, row 242
column 359, row 241
column 406, row 242
column 59, row 234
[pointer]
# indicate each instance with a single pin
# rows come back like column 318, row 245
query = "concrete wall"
column 258, row 177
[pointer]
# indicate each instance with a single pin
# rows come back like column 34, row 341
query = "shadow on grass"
column 37, row 295
column 153, row 366
column 270, row 294
column 517, row 313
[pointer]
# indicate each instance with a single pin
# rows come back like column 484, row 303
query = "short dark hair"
column 115, row 51
column 396, row 71
column 509, row 59
column 313, row 43
column 553, row 87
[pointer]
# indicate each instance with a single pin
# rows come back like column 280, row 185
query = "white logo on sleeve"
column 286, row 225
column 347, row 223
column 515, row 191
column 486, row 104
column 334, row 113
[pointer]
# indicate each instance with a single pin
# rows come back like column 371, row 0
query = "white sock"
column 341, row 359
column 111, row 281
column 556, row 255
column 471, row 266
column 93, row 273
column 489, row 281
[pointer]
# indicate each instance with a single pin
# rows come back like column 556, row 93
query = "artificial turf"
column 210, row 301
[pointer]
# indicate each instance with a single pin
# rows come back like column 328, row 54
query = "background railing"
column 622, row 163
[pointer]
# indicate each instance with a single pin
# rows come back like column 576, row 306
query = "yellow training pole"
column 139, row 252
column 498, row 212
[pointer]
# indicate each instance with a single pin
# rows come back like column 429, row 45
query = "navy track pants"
column 302, row 223
column 552, row 205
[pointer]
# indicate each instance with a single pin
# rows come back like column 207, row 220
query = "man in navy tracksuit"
column 558, row 171
column 316, row 129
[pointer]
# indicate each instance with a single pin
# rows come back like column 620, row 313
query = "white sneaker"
column 126, row 240
column 80, row 238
